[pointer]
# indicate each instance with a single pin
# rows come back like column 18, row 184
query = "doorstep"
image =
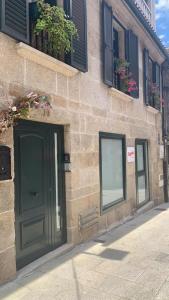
column 144, row 208
column 45, row 258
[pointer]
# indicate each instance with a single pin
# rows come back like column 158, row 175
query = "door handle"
column 34, row 194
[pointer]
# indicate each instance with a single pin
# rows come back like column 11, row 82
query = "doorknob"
column 34, row 194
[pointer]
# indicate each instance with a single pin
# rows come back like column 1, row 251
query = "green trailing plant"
column 60, row 30
column 20, row 108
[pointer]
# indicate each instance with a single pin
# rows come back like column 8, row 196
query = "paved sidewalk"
column 130, row 262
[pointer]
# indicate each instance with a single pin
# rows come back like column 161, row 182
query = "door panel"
column 35, row 185
column 32, row 171
column 32, row 231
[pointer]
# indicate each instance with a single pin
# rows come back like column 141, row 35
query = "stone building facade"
column 85, row 108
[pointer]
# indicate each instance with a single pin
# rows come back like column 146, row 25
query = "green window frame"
column 142, row 172
column 112, row 169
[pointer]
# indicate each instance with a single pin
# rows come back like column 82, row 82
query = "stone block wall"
column 85, row 106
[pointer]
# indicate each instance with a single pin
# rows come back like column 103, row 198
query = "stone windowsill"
column 120, row 95
column 45, row 60
column 152, row 109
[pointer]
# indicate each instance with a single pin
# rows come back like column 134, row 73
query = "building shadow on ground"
column 77, row 264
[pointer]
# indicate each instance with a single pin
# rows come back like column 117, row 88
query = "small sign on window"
column 130, row 154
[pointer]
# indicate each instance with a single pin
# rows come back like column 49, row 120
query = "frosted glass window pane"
column 112, row 170
column 141, row 189
column 56, row 178
column 140, row 158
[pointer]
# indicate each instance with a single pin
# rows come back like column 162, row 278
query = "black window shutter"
column 157, row 74
column 146, row 75
column 76, row 9
column 157, row 82
column 15, row 19
column 132, row 57
column 107, row 16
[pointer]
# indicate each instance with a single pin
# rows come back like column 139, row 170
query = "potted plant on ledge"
column 52, row 31
column 123, row 78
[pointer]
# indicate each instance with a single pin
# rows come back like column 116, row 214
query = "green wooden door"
column 39, row 190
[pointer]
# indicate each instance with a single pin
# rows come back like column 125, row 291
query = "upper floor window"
column 120, row 55
column 21, row 26
column 152, row 81
column 120, row 65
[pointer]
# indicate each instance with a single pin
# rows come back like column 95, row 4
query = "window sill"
column 120, row 95
column 45, row 60
column 111, row 206
column 152, row 109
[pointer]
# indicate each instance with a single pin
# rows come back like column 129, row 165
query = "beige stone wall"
column 85, row 106
column 7, row 219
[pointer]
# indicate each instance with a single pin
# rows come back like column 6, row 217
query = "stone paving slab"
column 130, row 262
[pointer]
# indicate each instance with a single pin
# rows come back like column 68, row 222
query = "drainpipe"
column 165, row 117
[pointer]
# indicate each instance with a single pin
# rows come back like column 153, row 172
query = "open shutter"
column 15, row 19
column 157, row 82
column 107, row 44
column 132, row 58
column 76, row 9
column 145, row 75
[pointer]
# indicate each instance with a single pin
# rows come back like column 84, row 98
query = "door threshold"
column 147, row 206
column 45, row 258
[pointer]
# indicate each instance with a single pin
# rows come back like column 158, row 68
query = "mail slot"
column 5, row 163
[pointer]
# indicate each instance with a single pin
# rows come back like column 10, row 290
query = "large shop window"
column 112, row 169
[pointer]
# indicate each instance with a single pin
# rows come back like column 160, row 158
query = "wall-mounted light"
column 67, row 162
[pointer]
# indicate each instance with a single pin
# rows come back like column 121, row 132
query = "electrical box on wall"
column 67, row 162
column 5, row 163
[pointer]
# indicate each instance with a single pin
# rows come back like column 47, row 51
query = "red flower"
column 132, row 86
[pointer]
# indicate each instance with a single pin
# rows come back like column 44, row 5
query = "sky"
column 162, row 20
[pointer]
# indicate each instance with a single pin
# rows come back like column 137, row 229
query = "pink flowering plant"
column 20, row 108
column 132, row 86
column 126, row 82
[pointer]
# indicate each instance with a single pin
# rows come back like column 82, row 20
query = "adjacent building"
column 97, row 158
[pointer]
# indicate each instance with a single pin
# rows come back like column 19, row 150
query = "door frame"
column 53, row 243
column 145, row 172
